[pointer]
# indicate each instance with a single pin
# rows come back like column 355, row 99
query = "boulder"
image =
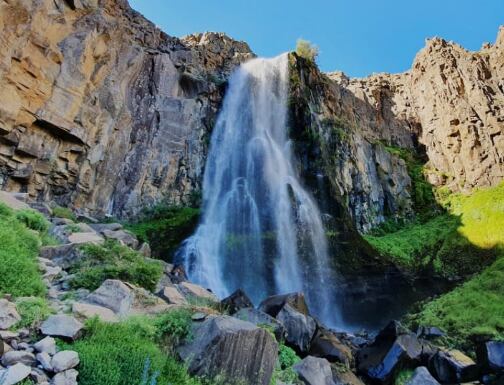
column 393, row 348
column 65, row 360
column 172, row 296
column 64, row 256
column 7, row 335
column 272, row 305
column 258, row 317
column 86, row 311
column 80, row 238
column 101, row 227
column 193, row 290
column 314, row 371
column 421, row 376
column 62, row 326
column 344, row 376
column 114, row 295
column 48, row 345
column 68, row 377
column 491, row 356
column 300, row 328
column 236, row 301
column 44, row 360
column 4, row 348
column 14, row 357
column 14, row 374
column 8, row 314
column 38, row 376
column 453, row 366
column 122, row 236
column 327, row 345
column 231, row 348
column 429, row 333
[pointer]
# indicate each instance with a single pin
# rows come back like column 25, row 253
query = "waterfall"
column 261, row 231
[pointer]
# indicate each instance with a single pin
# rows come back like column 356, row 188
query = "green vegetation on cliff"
column 164, row 227
column 459, row 242
column 18, row 252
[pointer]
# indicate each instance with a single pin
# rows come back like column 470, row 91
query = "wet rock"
column 272, row 305
column 491, row 356
column 65, row 360
column 48, row 345
column 421, row 376
column 68, row 377
column 8, row 314
column 14, row 357
column 237, row 301
column 196, row 291
column 453, row 366
column 300, row 328
column 114, row 295
column 393, row 348
column 15, row 374
column 86, row 311
column 327, row 345
column 62, row 326
column 258, row 317
column 314, row 371
column 233, row 348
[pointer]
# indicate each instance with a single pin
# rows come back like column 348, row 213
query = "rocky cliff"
column 447, row 112
column 103, row 111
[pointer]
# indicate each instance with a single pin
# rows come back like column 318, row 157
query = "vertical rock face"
column 103, row 110
column 449, row 109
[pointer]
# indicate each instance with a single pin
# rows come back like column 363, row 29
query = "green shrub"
column 164, row 227
column 173, row 326
column 18, row 252
column 116, row 354
column 63, row 212
column 306, row 50
column 403, row 377
column 287, row 358
column 73, row 228
column 474, row 309
column 115, row 261
column 33, row 310
column 33, row 220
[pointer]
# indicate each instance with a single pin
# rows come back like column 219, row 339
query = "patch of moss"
column 164, row 227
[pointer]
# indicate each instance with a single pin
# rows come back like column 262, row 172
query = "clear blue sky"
column 358, row 37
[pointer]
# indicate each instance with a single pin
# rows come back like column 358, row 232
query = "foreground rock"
column 491, row 356
column 68, row 377
column 421, row 376
column 236, row 301
column 314, row 371
column 8, row 314
column 114, row 295
column 258, row 317
column 453, row 367
column 15, row 374
column 300, row 328
column 325, row 344
column 232, row 348
column 62, row 326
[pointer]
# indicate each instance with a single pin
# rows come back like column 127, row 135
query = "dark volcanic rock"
column 421, row 376
column 232, row 348
column 491, row 356
column 237, row 301
column 314, row 371
column 327, row 345
column 272, row 305
column 429, row 333
column 300, row 328
column 453, row 367
column 258, row 317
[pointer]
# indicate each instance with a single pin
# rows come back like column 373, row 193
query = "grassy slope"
column 18, row 251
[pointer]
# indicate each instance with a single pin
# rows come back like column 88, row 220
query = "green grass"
column 164, row 228
column 33, row 311
column 173, row 326
column 462, row 241
column 33, row 220
column 403, row 377
column 115, row 261
column 116, row 354
column 18, row 251
column 63, row 212
column 474, row 309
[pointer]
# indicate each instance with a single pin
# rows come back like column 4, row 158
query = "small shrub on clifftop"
column 306, row 50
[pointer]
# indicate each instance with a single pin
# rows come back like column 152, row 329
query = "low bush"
column 173, row 326
column 115, row 261
column 164, row 227
column 117, row 354
column 18, row 252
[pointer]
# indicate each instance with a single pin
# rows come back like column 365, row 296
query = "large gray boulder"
column 114, row 295
column 14, row 357
column 232, row 348
column 68, row 377
column 314, row 371
column 300, row 328
column 421, row 376
column 62, row 326
column 272, row 305
column 48, row 345
column 14, row 374
column 258, row 317
column 64, row 360
column 8, row 314
column 327, row 345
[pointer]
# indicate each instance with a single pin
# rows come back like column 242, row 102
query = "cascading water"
column 261, row 231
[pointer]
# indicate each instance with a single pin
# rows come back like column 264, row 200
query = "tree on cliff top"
column 306, row 50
